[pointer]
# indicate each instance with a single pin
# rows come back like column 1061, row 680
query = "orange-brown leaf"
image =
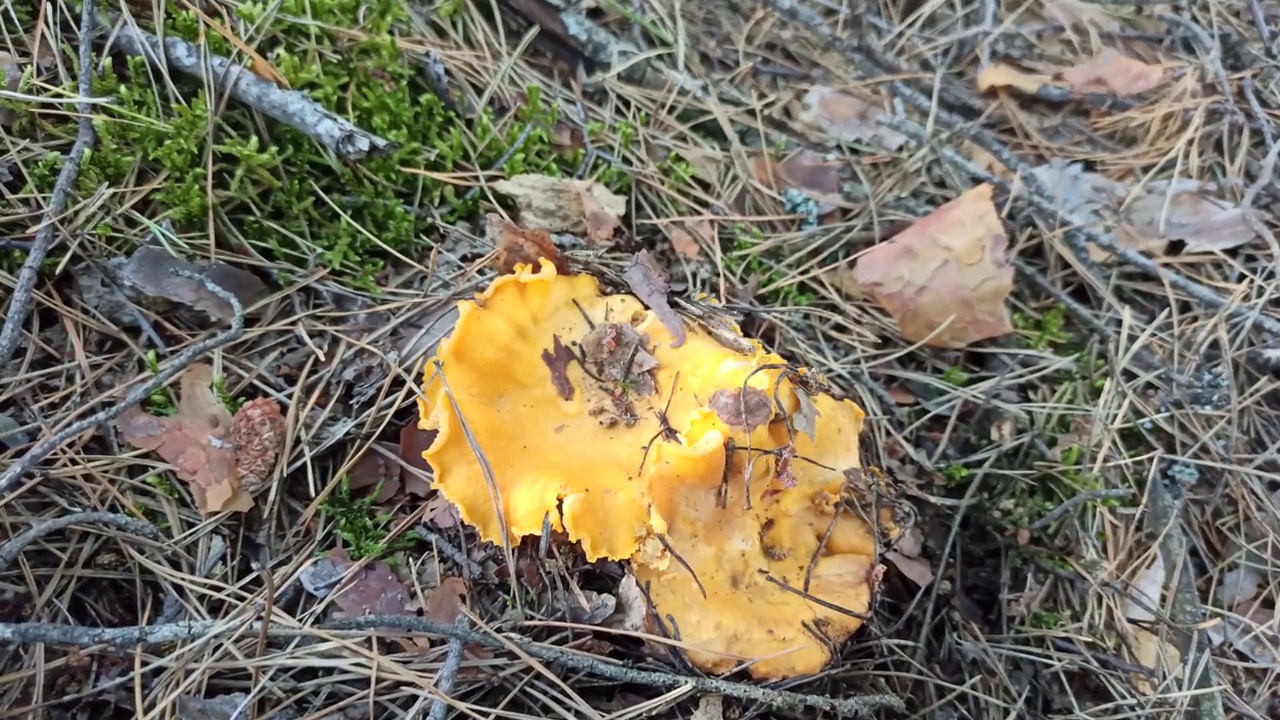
column 1003, row 75
column 446, row 601
column 196, row 442
column 517, row 246
column 945, row 279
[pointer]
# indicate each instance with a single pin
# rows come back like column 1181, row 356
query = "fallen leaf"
column 643, row 279
column 377, row 465
column 1185, row 211
column 565, row 205
column 322, row 576
column 196, row 442
column 518, row 246
column 742, row 409
column 557, row 360
column 153, row 271
column 1150, row 651
column 599, row 607
column 847, row 118
column 1143, row 599
column 257, row 432
column 902, row 395
column 415, row 473
column 1002, row 75
column 372, row 590
column 805, row 418
column 442, row 513
column 910, row 543
column 632, row 613
column 806, row 170
column 228, row 706
column 915, row 569
column 949, row 267
column 687, row 237
column 1239, row 585
column 710, row 707
column 447, row 600
column 1149, row 218
column 1255, row 635
column 1112, row 73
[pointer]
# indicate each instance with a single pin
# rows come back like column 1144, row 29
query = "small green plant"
column 363, row 532
column 955, row 473
column 955, row 377
column 225, row 396
column 160, row 402
column 1045, row 620
column 163, row 485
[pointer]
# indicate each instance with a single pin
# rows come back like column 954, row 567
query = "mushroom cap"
column 556, row 403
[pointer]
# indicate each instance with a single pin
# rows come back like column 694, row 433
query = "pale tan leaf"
column 945, row 278
column 687, row 237
column 1110, row 72
column 847, row 117
column 564, row 205
column 1184, row 211
column 1143, row 600
column 1150, row 651
column 1003, row 75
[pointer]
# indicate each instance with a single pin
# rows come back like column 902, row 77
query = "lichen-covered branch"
column 291, row 107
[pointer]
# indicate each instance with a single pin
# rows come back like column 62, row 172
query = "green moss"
column 283, row 192
column 364, row 532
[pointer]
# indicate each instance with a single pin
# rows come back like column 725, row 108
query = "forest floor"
column 1085, row 428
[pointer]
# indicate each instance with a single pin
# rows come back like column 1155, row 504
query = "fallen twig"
column 139, row 393
column 14, row 547
column 1164, row 520
column 449, row 671
column 1075, row 502
column 291, row 107
column 129, row 637
column 20, row 304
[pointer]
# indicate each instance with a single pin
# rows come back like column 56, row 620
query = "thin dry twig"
column 20, row 303
column 140, row 392
column 449, row 671
column 14, row 547
column 291, row 107
column 146, row 635
column 1076, row 501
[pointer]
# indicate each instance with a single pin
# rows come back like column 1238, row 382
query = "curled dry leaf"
column 377, row 468
column 742, row 409
column 806, row 170
column 153, row 270
column 1148, row 218
column 1002, row 75
column 1112, row 73
column 196, row 442
column 946, row 277
column 257, row 431
column 847, row 117
column 643, row 279
column 517, row 246
column 915, row 569
column 565, row 205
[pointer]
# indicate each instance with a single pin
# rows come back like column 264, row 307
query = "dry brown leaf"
column 1183, row 210
column 565, row 205
column 847, row 118
column 1003, row 75
column 376, row 465
column 372, row 590
column 257, row 431
column 517, row 246
column 415, row 473
column 1148, row 218
column 687, row 237
column 915, row 569
column 1142, row 602
column 196, row 442
column 153, row 271
column 446, row 601
column 1112, row 73
column 442, row 513
column 948, row 268
column 647, row 283
column 1150, row 651
column 805, row 170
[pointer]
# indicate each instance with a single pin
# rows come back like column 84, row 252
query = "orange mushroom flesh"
column 556, row 403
